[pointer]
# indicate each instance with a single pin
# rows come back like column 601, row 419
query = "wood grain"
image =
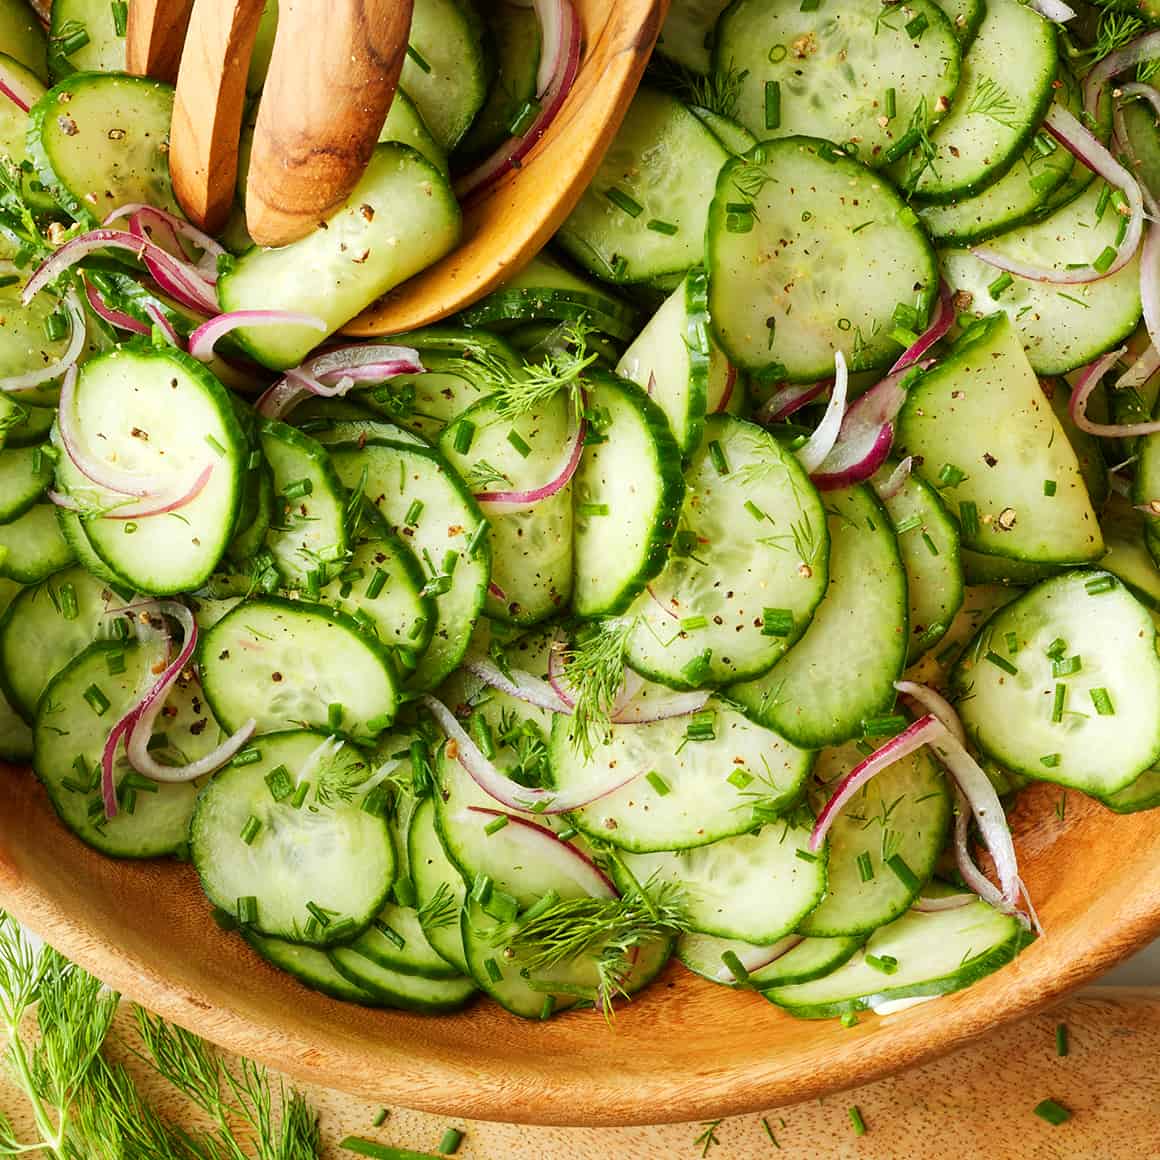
column 208, row 108
column 976, row 1103
column 155, row 37
column 506, row 229
column 327, row 93
column 685, row 1050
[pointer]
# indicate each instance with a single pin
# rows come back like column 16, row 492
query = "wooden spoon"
column 155, row 36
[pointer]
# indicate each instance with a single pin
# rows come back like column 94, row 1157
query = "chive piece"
column 319, row 913
column 334, row 715
column 887, row 964
column 1103, row 702
column 694, row 623
column 593, row 509
column 697, row 669
column 417, row 57
column 772, row 104
column 120, row 9
column 250, row 830
column 377, row 802
column 1061, row 1044
column 279, row 783
column 1001, row 662
column 717, row 455
column 390, row 934
column 300, row 794
column 247, row 910
column 1099, row 585
column 660, row 786
column 755, row 511
column 414, row 512
column 523, row 448
column 805, row 856
column 661, row 227
column 541, row 906
column 481, row 889
column 482, row 736
column 865, row 867
column 1058, row 703
column 890, row 105
column 1050, row 487
column 1050, row 760
column 903, row 872
column 97, row 701
column 375, row 584
column 735, row 966
column 905, row 338
column 69, row 608
column 1104, row 262
column 856, row 1121
column 739, row 223
column 215, row 445
column 969, row 517
column 702, row 726
column 849, row 1019
column 1066, row 666
column 452, row 1138
column 624, row 202
column 1056, row 649
column 298, row 488
column 914, row 29
column 931, row 547
column 1003, row 282
column 776, row 622
column 464, row 436
column 1054, row 1113
column 502, row 906
column 525, row 118
column 1011, row 640
column 883, row 726
column 740, row 779
column 907, row 525
column 951, row 476
column 495, row 825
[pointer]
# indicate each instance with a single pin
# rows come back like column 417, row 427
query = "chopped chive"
column 916, row 27
column 661, row 227
column 887, row 964
column 897, row 863
column 301, row 791
column 495, row 825
column 250, row 830
column 931, row 547
column 417, row 57
column 849, row 1019
column 755, row 511
column 390, row 934
column 883, row 726
column 481, row 889
column 702, row 726
column 377, row 801
column 279, row 783
column 694, row 623
column 1103, row 702
column 624, row 202
column 1066, row 666
column 890, row 105
column 404, row 891
column 1058, row 703
column 380, row 1118
column 567, row 833
column 805, row 856
column 1001, row 662
column 334, row 715
column 120, row 9
column 376, row 583
column 477, row 538
column 865, row 867
column 697, row 669
column 319, row 913
column 247, row 910
column 772, row 105
column 493, row 971
column 776, row 622
column 1054, row 1113
column 592, row 509
column 481, row 735
column 735, row 966
column 907, row 525
column 215, row 445
column 1050, row 487
column 739, row 223
column 1056, row 649
column 525, row 118
column 523, row 448
column 951, row 476
column 97, row 701
column 464, row 436
column 298, row 488
column 740, row 778
column 1050, row 760
column 856, row 1121
column 68, row 601
column 1104, row 262
column 452, row 1138
column 660, row 786
column 1099, row 585
column 1061, row 1044
column 1003, row 282
column 414, row 513
column 1011, row 640
column 541, row 906
column 717, row 455
column 501, row 906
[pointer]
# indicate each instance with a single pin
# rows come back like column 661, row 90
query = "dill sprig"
column 719, row 92
column 440, row 910
column 16, row 218
column 485, row 476
column 1114, row 30
column 594, row 669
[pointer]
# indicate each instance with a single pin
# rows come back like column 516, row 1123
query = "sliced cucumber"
column 401, row 217
column 72, row 528
column 688, row 32
column 1085, row 716
column 25, row 475
column 1141, row 794
column 396, row 989
column 288, row 664
column 24, row 342
column 95, row 22
column 310, row 966
column 439, row 888
column 397, row 941
column 315, row 872
column 797, row 960
column 627, row 495
column 754, row 887
column 15, row 734
column 824, row 71
column 14, row 120
column 688, row 792
column 1019, row 478
column 732, row 134
column 842, row 671
column 1088, row 451
column 405, row 125
column 644, row 212
column 750, row 561
column 23, row 426
column 776, row 306
column 981, row 568
column 32, row 546
column 1128, row 558
column 965, row 16
column 23, row 37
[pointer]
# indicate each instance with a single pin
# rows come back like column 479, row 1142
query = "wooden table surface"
column 977, row 1103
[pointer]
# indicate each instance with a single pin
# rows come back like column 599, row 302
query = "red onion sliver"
column 547, row 844
column 163, row 324
column 789, row 399
column 145, row 214
column 521, row 685
column 203, row 340
column 159, row 505
column 108, row 758
column 726, row 394
column 659, row 707
column 819, row 445
column 1143, row 48
column 14, row 85
column 513, row 501
column 936, row 705
column 75, row 251
column 897, row 480
column 1082, row 391
column 941, row 323
column 68, row 359
column 113, row 317
column 754, row 958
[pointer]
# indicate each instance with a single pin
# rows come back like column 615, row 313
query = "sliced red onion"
column 561, row 36
column 659, row 706
column 1137, row 375
column 521, row 685
column 789, row 399
column 754, row 958
column 1090, row 152
column 1139, row 50
column 556, row 672
column 180, row 281
column 143, row 216
column 514, row 501
column 1054, row 10
column 897, row 480
column 943, row 320
column 108, row 758
column 163, row 324
column 203, row 340
column 1082, row 392
column 554, row 851
column 925, row 905
column 159, row 505
column 502, row 789
column 726, row 395
column 14, row 85
column 1123, row 142
column 117, row 318
column 27, row 380
column 493, row 589
column 819, row 445
column 935, row 704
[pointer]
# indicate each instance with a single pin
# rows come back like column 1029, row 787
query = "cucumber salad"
column 708, row 591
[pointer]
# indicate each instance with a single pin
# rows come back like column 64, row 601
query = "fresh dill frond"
column 719, row 92
column 484, row 476
column 16, row 217
column 708, row 1137
column 594, row 669
column 524, row 740
column 1114, row 30
column 336, row 772
column 440, row 910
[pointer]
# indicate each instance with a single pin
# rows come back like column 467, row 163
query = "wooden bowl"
column 685, row 1049
column 511, row 224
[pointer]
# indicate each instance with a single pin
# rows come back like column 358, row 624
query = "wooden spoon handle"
column 155, row 37
column 207, row 111
column 329, row 88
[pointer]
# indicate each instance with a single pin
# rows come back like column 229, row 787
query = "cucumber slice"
column 405, row 125
column 644, row 212
column 25, row 474
column 284, row 663
column 754, row 887
column 100, row 141
column 776, row 307
column 979, row 603
column 424, row 502
column 412, row 221
column 14, row 121
column 32, row 546
column 902, row 814
column 255, row 514
column 317, row 872
column 965, row 17
column 158, row 411
column 798, row 960
column 935, row 954
column 446, row 71
column 439, row 887
column 1087, row 720
column 980, row 568
column 1087, row 447
column 72, row 528
column 23, row 37
column 842, row 671
column 627, row 495
column 928, row 541
column 310, row 966
column 15, row 735
column 1128, row 558
column 688, row 792
column 24, row 341
column 1005, row 89
column 1000, row 468
column 1141, row 794
column 687, row 34
column 1062, row 327
column 823, row 71
column 751, row 554
column 103, row 47
column 24, row 426
column 396, row 940
column 531, row 548
column 70, row 734
column 732, row 134
column 396, row 989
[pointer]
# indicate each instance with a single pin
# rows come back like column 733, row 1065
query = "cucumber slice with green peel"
column 535, row 341
column 691, row 788
column 798, row 960
column 754, row 887
column 86, row 36
column 1087, row 448
column 842, row 671
column 883, row 846
column 1083, row 716
column 396, row 989
column 405, row 125
column 546, row 289
column 439, row 887
column 32, row 547
column 446, row 71
column 255, row 514
column 732, row 134
column 824, row 71
column 926, row 954
column 980, row 602
column 285, row 663
column 396, row 940
column 1061, row 327
column 687, row 34
column 23, row 36
column 531, row 548
column 309, row 966
column 100, row 141
column 928, row 541
column 981, row 568
column 308, row 537
column 1021, row 475
column 315, row 872
column 1141, row 136
column 1005, row 88
column 1141, row 794
column 965, row 17
column 25, row 475
column 24, row 426
column 644, row 212
column 400, row 218
column 778, row 309
column 15, row 734
column 1128, row 558
column 158, row 411
column 75, row 713
column 750, row 560
column 425, row 502
column 72, row 528
column 13, row 118
column 358, row 430
column 627, row 495
column 24, row 342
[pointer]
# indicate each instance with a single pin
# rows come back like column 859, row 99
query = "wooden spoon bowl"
column 684, row 1050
